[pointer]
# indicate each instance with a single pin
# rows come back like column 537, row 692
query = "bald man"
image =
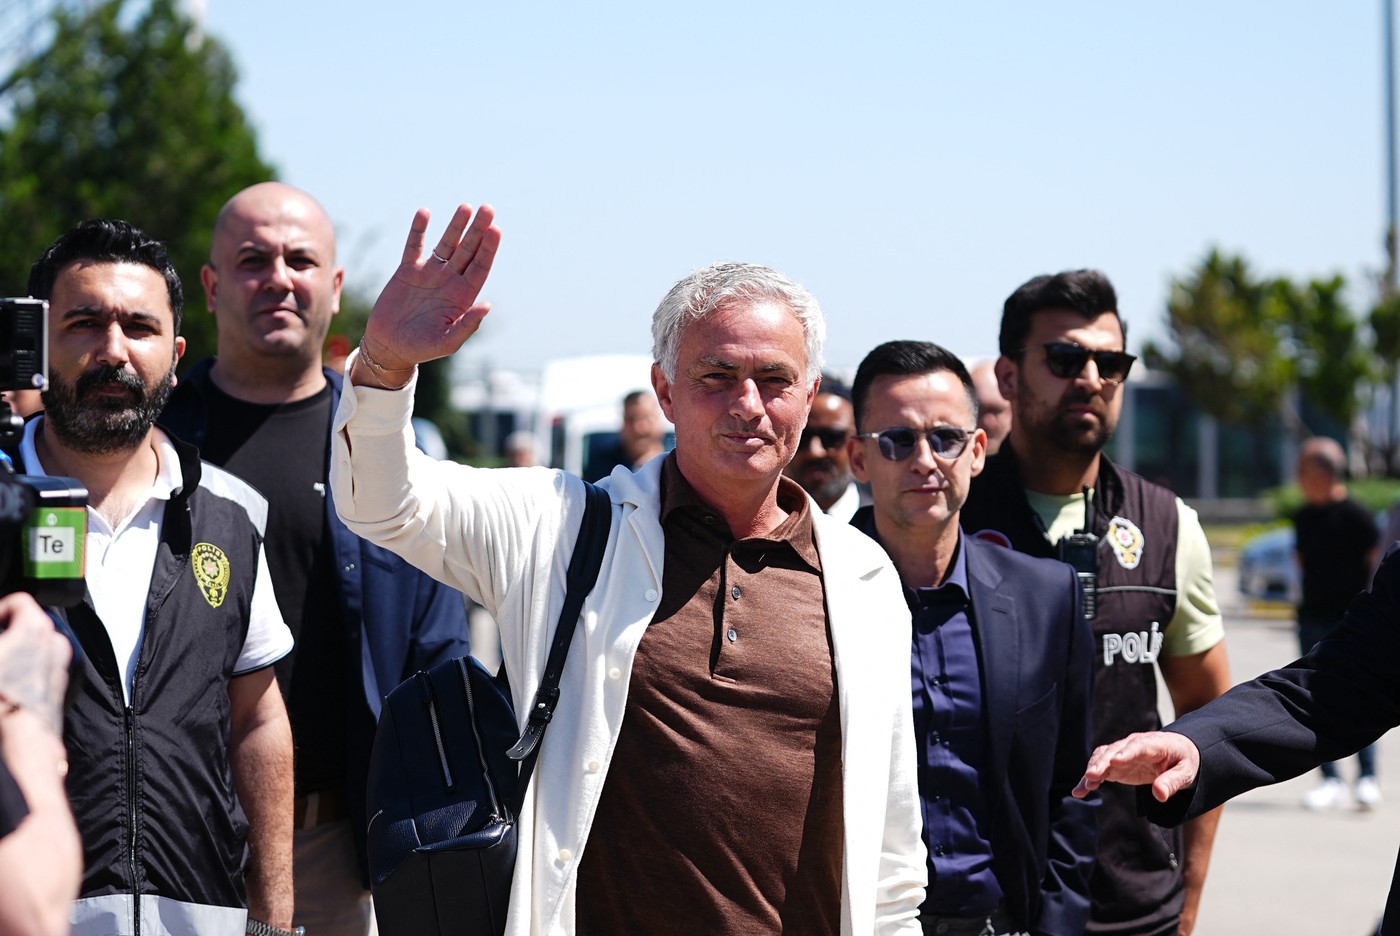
column 364, row 620
column 1336, row 551
column 993, row 411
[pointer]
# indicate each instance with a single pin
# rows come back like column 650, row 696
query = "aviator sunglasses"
column 897, row 444
column 1067, row 359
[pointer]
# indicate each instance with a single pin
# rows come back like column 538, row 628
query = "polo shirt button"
column 651, row 594
column 733, row 635
column 350, row 567
column 935, row 738
column 565, row 855
column 591, row 766
column 614, row 673
column 736, row 592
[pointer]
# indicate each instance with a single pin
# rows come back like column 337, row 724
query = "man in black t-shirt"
column 1336, row 551
column 363, row 619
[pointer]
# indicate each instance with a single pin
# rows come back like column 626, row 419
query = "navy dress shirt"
column 951, row 741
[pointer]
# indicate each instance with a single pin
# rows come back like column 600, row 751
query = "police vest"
column 1137, row 877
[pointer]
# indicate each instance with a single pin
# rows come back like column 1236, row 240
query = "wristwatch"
column 259, row 928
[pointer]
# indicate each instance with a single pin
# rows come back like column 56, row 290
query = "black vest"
column 149, row 781
column 1137, row 879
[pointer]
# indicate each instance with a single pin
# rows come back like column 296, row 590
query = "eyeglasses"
column 829, row 437
column 897, row 444
column 1067, row 359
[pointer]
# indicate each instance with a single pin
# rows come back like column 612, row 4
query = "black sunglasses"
column 829, row 437
column 1067, row 359
column 897, row 444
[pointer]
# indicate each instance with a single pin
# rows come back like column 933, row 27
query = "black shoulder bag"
column 444, row 786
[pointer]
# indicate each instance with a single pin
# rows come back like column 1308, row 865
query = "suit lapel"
column 998, row 646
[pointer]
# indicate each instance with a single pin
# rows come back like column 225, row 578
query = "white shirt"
column 846, row 505
column 119, row 562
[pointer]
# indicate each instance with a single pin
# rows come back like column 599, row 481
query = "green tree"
column 1385, row 335
column 130, row 117
column 1230, row 341
column 1332, row 364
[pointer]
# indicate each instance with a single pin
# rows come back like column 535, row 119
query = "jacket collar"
column 1108, row 486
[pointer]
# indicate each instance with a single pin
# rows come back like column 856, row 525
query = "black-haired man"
column 180, row 751
column 1062, row 366
column 1000, row 660
column 821, row 464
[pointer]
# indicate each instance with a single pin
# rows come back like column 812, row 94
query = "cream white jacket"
column 504, row 537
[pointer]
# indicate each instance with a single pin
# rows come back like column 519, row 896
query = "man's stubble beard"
column 1062, row 431
column 98, row 426
column 834, row 486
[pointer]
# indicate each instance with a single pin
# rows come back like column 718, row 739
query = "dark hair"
column 835, row 386
column 906, row 359
column 1087, row 292
column 105, row 240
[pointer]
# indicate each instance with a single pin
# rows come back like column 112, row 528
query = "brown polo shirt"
column 721, row 812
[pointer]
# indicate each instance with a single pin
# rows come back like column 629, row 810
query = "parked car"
column 1266, row 566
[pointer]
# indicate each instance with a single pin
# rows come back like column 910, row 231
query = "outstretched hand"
column 1165, row 759
column 430, row 305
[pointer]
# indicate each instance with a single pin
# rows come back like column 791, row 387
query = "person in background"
column 822, row 464
column 520, row 448
column 364, row 619
column 641, row 438
column 1335, row 547
column 1149, row 595
column 993, row 412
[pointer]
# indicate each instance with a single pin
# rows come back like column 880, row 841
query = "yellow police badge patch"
column 1126, row 540
column 211, row 572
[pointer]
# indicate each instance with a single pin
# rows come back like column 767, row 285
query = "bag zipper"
column 496, row 811
column 425, row 688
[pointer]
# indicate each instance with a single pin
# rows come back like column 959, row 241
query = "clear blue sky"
column 911, row 163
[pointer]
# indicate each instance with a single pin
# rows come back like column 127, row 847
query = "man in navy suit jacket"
column 1333, row 702
column 1000, row 662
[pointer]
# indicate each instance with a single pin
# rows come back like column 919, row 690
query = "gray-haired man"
column 735, row 714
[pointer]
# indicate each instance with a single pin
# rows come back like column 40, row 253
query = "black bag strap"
column 584, row 566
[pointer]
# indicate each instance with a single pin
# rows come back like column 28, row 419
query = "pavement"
column 1278, row 868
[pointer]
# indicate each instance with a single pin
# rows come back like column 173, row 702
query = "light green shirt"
column 1196, row 624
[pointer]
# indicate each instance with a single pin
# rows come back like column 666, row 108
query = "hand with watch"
column 259, row 928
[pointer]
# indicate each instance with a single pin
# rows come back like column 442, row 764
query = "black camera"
column 43, row 520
